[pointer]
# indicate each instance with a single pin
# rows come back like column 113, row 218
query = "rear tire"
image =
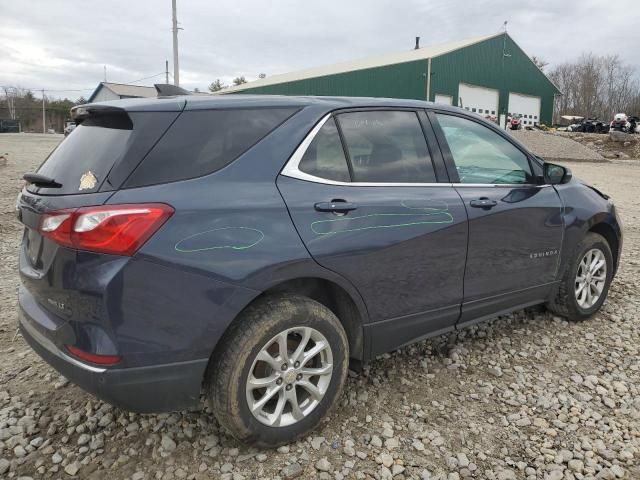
column 301, row 386
column 581, row 279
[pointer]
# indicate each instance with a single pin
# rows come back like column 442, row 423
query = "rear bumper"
column 158, row 388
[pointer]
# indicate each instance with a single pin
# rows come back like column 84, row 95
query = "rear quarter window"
column 204, row 141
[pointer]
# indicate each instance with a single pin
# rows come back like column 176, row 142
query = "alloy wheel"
column 289, row 377
column 591, row 278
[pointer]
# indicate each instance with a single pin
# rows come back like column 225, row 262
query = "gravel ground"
column 525, row 396
column 556, row 147
column 617, row 145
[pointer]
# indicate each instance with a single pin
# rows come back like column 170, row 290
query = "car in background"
column 252, row 247
column 69, row 127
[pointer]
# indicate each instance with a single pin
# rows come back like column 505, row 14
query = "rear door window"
column 204, row 141
column 83, row 159
column 325, row 156
column 387, row 146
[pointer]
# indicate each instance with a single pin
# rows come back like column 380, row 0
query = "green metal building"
column 490, row 75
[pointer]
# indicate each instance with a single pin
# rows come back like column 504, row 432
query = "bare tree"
column 539, row 61
column 239, row 80
column 596, row 86
column 27, row 108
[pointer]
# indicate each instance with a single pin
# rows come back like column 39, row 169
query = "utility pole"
column 176, row 67
column 503, row 95
column 166, row 72
column 105, row 74
column 44, row 127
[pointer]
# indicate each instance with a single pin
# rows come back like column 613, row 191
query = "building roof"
column 125, row 90
column 362, row 64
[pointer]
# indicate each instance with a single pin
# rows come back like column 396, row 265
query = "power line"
column 145, row 78
column 88, row 89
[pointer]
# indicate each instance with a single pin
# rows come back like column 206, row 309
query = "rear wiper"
column 41, row 180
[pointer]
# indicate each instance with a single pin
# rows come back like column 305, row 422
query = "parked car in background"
column 588, row 125
column 69, row 127
column 250, row 247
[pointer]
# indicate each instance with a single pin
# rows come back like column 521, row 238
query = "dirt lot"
column 524, row 396
column 627, row 146
column 567, row 146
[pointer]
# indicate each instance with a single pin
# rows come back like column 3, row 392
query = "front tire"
column 586, row 279
column 279, row 370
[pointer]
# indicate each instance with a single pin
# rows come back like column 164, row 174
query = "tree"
column 539, row 61
column 239, row 80
column 596, row 86
column 81, row 101
column 23, row 105
column 217, row 85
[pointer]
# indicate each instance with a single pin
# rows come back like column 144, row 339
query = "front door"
column 364, row 197
column 515, row 225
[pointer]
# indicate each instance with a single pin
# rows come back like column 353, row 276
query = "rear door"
column 515, row 223
column 363, row 191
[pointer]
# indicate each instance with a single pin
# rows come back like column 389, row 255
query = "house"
column 115, row 91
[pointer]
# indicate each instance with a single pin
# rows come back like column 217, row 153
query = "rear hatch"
column 63, row 283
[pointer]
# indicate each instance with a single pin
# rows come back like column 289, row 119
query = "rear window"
column 83, row 159
column 204, row 141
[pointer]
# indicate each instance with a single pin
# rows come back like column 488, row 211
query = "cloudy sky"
column 63, row 45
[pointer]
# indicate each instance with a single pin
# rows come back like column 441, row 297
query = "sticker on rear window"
column 88, row 181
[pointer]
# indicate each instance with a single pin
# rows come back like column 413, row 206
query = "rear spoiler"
column 81, row 112
column 168, row 90
column 101, row 115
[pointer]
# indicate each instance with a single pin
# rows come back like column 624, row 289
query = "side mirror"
column 556, row 174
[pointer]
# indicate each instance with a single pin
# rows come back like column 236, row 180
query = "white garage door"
column 478, row 99
column 526, row 106
column 443, row 99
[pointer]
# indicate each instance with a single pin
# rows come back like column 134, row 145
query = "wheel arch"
column 343, row 300
column 609, row 234
column 337, row 299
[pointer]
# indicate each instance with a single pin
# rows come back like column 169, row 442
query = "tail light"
column 93, row 357
column 114, row 229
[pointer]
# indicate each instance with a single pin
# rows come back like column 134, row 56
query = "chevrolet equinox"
column 250, row 247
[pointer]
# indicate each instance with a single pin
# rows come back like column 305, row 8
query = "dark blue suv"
column 250, row 247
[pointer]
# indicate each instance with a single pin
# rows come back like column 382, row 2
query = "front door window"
column 481, row 155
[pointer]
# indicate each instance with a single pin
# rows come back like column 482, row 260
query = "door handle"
column 335, row 206
column 483, row 202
